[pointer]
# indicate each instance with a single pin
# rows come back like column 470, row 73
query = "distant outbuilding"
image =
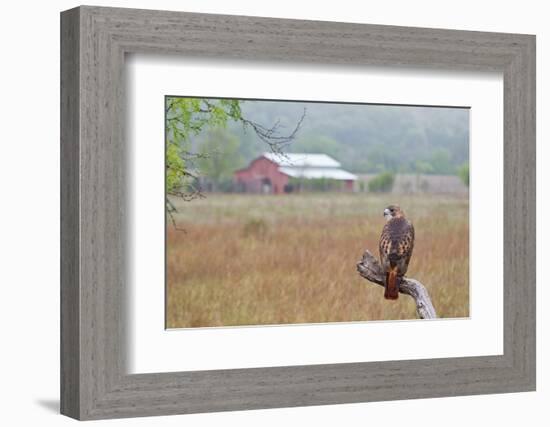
column 279, row 173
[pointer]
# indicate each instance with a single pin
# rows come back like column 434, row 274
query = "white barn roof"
column 301, row 160
column 309, row 166
column 316, row 173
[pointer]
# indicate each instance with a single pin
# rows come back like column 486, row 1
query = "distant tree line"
column 382, row 183
column 372, row 139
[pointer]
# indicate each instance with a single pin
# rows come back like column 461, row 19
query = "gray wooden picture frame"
column 94, row 381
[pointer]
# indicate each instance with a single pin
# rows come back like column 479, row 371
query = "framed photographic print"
column 263, row 251
column 261, row 213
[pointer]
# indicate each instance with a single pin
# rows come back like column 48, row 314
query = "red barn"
column 271, row 172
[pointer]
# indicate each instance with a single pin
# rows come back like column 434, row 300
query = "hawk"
column 396, row 247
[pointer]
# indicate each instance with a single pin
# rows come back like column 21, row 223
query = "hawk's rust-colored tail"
column 392, row 284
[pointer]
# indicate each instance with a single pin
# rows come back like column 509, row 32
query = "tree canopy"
column 185, row 118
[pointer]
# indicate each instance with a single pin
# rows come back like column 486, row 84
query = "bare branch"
column 171, row 210
column 370, row 269
column 271, row 135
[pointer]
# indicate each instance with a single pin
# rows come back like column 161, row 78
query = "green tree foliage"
column 440, row 162
column 423, row 167
column 316, row 144
column 185, row 118
column 464, row 174
column 379, row 159
column 219, row 156
column 382, row 183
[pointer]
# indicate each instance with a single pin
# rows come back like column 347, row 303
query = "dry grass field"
column 253, row 259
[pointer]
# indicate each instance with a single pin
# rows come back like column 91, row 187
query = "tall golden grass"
column 252, row 259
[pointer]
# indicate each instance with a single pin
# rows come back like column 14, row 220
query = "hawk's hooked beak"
column 387, row 213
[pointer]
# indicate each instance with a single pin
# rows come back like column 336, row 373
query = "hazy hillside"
column 366, row 138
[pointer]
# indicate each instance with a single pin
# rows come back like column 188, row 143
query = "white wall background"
column 29, row 211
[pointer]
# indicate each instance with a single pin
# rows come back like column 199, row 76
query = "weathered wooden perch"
column 370, row 269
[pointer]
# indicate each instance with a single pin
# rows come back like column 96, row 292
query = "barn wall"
column 254, row 179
